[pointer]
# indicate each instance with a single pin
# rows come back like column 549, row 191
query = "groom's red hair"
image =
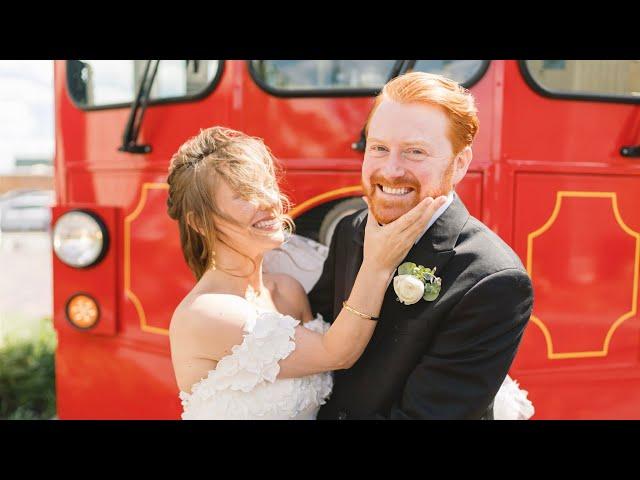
column 431, row 89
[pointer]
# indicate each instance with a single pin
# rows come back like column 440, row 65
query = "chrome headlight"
column 80, row 239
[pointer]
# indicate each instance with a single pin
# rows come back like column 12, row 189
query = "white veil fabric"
column 299, row 257
column 303, row 259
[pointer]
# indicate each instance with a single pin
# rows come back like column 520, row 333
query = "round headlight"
column 79, row 239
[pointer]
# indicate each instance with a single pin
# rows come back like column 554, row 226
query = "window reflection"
column 110, row 82
column 462, row 71
column 327, row 75
column 615, row 78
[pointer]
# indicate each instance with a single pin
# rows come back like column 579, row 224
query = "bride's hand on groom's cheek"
column 385, row 246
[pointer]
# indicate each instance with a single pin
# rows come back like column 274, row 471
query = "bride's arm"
column 343, row 344
column 349, row 334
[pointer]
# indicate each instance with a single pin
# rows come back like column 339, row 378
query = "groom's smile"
column 392, row 197
column 397, row 192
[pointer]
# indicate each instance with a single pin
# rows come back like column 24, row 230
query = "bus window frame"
column 355, row 92
column 559, row 95
column 160, row 101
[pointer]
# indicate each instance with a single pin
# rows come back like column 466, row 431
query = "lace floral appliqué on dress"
column 244, row 385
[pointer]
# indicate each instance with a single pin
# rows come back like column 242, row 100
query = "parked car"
column 26, row 210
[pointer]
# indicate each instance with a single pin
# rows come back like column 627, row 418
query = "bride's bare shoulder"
column 204, row 329
column 211, row 313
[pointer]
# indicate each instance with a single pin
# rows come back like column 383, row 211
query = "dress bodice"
column 243, row 385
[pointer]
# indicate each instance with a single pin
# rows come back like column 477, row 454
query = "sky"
column 26, row 111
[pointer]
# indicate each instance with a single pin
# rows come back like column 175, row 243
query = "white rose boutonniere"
column 408, row 288
column 414, row 282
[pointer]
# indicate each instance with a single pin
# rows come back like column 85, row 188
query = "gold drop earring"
column 213, row 256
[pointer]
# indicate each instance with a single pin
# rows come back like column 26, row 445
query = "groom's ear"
column 461, row 164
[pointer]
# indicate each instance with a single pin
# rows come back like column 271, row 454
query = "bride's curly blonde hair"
column 249, row 168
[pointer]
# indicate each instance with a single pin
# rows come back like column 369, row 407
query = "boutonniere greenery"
column 414, row 282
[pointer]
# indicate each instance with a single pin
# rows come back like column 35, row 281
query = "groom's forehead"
column 408, row 122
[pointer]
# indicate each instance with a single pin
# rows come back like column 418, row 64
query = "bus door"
column 571, row 131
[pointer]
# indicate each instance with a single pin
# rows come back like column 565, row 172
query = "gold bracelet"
column 360, row 314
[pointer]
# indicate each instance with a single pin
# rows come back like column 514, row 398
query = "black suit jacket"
column 444, row 359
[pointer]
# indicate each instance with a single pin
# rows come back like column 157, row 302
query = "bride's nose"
column 269, row 201
column 264, row 207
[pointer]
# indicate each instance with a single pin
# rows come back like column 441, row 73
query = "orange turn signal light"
column 82, row 311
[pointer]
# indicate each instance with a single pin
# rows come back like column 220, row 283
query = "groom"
column 439, row 359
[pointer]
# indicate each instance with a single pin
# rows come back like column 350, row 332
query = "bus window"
column 465, row 72
column 615, row 80
column 114, row 83
column 349, row 77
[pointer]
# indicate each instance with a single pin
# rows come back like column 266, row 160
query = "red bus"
column 556, row 173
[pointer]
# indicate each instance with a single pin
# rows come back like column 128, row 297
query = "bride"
column 244, row 342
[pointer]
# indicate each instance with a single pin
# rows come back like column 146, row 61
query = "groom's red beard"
column 386, row 208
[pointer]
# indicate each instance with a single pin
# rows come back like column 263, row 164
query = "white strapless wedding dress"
column 244, row 385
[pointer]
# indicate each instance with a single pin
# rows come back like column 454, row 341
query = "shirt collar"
column 439, row 212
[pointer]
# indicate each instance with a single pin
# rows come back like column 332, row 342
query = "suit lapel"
column 354, row 257
column 436, row 247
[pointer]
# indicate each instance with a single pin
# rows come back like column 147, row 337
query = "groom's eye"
column 378, row 148
column 416, row 152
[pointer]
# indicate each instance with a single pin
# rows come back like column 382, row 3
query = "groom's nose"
column 392, row 167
